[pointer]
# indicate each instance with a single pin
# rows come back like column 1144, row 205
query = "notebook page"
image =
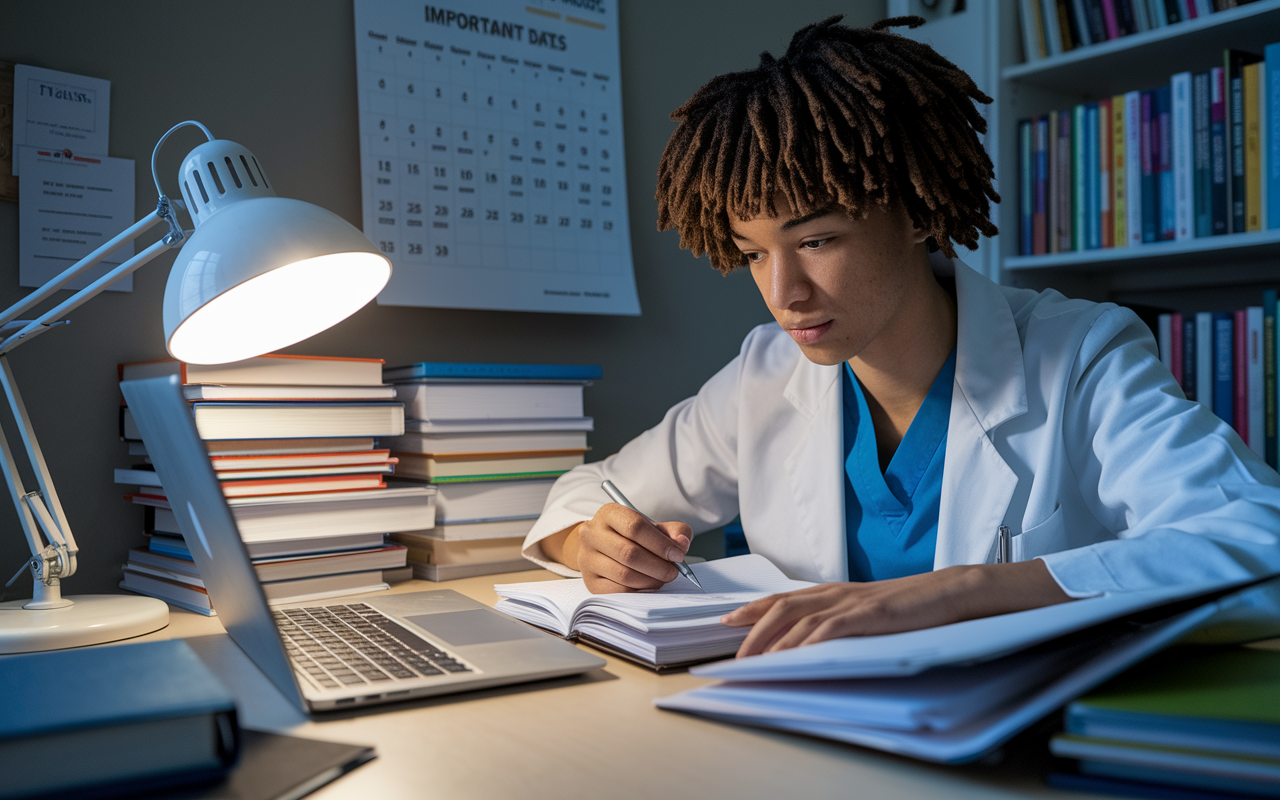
column 729, row 583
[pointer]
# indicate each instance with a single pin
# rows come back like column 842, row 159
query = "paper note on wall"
column 59, row 110
column 68, row 206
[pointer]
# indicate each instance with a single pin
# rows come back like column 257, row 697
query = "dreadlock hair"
column 854, row 117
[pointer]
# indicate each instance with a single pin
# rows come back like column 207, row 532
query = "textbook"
column 265, row 370
column 668, row 629
column 301, row 420
column 427, row 370
column 154, row 707
column 494, row 400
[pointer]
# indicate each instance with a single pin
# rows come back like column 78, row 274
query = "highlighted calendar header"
column 476, row 23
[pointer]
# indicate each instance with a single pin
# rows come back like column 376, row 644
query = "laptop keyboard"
column 349, row 645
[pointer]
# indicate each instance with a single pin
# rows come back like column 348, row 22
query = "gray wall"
column 279, row 77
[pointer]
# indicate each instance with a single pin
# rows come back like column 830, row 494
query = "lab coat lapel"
column 990, row 388
column 815, row 468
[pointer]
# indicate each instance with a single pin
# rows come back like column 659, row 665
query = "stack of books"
column 1054, row 27
column 1190, row 721
column 292, row 440
column 491, row 438
column 1175, row 162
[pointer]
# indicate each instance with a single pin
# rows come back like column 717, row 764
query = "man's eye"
column 754, row 257
column 815, row 243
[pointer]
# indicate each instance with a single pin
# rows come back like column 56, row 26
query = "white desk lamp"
column 258, row 273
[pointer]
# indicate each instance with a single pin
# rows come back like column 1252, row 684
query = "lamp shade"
column 259, row 272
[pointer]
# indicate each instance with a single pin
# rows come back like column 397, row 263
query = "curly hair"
column 848, row 117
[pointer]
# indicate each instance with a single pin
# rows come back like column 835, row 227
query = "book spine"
column 1188, row 9
column 1269, row 373
column 1106, row 180
column 1032, row 41
column 1240, row 372
column 1150, row 170
column 1252, row 150
column 1176, row 339
column 1190, row 358
column 1096, row 19
column 1092, row 179
column 1052, row 184
column 1204, row 359
column 1174, row 11
column 1271, row 134
column 1164, row 340
column 1183, row 162
column 1224, row 396
column 1067, row 25
column 1110, row 19
column 1039, row 210
column 1066, row 157
column 1080, row 180
column 1127, row 17
column 1133, row 166
column 1052, row 33
column 1202, row 155
column 1264, row 147
column 1254, row 380
column 1025, row 208
column 1218, row 150
column 1235, row 128
column 1119, row 173
column 1141, row 17
column 1158, row 11
column 1080, row 16
column 1168, row 199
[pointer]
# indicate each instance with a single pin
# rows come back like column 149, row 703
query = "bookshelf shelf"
column 1145, row 58
column 1223, row 250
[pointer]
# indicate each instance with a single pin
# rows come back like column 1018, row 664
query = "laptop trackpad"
column 477, row 626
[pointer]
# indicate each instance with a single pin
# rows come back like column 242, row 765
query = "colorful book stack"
column 491, row 438
column 1053, row 27
column 291, row 439
column 1228, row 361
column 1176, row 162
column 1188, row 723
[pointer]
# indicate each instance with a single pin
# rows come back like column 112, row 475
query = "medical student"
column 903, row 409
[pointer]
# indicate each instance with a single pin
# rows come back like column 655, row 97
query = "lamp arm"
column 44, row 522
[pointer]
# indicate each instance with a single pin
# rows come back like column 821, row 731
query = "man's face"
column 836, row 284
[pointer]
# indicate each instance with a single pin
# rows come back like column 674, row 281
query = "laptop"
column 346, row 652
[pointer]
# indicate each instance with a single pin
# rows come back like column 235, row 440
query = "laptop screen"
column 183, row 466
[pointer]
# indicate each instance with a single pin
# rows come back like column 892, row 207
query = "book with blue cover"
column 1162, row 121
column 1224, row 394
column 430, row 370
column 116, row 720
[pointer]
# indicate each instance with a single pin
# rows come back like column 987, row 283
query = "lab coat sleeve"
column 1187, row 499
column 683, row 469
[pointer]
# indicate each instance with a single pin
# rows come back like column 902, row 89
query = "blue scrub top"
column 891, row 518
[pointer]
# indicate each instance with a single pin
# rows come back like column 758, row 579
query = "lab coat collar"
column 990, row 390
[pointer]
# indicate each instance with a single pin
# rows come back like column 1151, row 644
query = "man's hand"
column 618, row 550
column 835, row 610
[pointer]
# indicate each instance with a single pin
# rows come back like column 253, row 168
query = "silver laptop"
column 355, row 651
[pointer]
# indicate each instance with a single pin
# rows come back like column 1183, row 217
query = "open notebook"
column 668, row 629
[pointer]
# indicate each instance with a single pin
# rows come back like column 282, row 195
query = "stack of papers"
column 955, row 692
column 673, row 626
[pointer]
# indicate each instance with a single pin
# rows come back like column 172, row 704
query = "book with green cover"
column 1216, row 700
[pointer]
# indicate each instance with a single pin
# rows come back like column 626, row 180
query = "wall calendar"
column 491, row 154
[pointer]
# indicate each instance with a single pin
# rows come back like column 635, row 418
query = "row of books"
column 1189, row 723
column 491, row 439
column 1053, row 27
column 1180, row 161
column 1223, row 361
column 292, row 441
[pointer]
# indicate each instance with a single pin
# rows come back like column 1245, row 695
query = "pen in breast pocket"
column 621, row 499
column 1004, row 546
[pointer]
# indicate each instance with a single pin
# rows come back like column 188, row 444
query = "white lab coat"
column 1064, row 426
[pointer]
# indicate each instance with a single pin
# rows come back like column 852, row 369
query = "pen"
column 621, row 499
column 1004, row 546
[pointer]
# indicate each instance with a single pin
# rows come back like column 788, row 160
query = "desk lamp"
column 259, row 272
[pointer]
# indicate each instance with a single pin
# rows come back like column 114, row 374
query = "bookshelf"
column 1224, row 270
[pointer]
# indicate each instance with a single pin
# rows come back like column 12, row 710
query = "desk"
column 593, row 736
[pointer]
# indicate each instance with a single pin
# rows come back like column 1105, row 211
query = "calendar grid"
column 491, row 155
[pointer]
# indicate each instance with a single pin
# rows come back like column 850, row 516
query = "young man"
column 904, row 408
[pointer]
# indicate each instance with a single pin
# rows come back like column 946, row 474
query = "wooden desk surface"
column 593, row 736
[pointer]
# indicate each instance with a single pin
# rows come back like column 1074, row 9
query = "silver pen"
column 621, row 499
column 1004, row 546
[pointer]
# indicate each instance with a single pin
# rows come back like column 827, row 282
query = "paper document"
column 68, row 206
column 59, row 111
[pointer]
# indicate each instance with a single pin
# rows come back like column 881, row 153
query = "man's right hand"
column 618, row 550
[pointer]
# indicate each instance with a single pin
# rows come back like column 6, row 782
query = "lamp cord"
column 154, row 174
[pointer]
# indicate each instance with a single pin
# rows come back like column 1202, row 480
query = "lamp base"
column 90, row 619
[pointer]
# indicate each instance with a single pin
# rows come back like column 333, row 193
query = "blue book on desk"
column 118, row 720
column 441, row 370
